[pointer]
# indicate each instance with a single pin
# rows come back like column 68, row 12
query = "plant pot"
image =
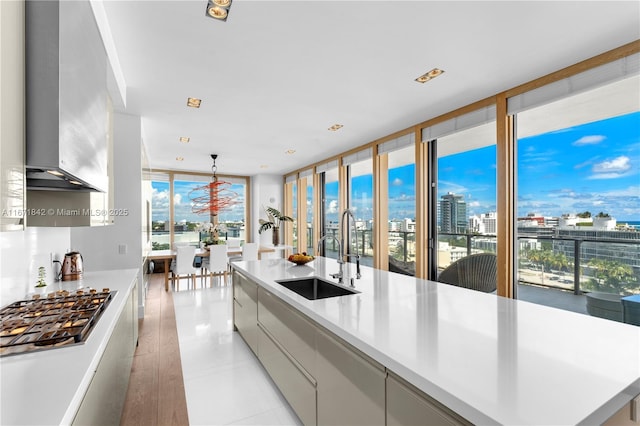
column 275, row 236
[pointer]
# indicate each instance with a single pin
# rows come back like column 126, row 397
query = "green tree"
column 611, row 276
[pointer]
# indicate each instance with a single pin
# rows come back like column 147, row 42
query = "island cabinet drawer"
column 351, row 386
column 246, row 323
column 289, row 328
column 245, row 309
column 296, row 387
column 244, row 290
column 407, row 405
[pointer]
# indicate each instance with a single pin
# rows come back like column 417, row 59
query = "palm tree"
column 611, row 276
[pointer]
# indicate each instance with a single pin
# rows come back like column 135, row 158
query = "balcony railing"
column 577, row 273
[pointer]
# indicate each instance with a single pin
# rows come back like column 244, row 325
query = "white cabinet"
column 12, row 116
column 406, row 405
column 104, row 400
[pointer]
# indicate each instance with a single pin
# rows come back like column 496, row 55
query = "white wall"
column 21, row 253
column 119, row 245
column 266, row 190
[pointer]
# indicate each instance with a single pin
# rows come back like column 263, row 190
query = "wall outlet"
column 122, row 249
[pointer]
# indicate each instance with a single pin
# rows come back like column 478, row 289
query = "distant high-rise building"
column 486, row 223
column 453, row 213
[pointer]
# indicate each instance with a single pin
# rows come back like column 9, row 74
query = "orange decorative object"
column 214, row 197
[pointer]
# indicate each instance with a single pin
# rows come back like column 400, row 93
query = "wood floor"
column 156, row 388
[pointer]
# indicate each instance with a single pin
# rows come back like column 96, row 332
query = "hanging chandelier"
column 214, row 197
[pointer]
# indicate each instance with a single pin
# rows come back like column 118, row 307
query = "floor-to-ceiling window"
column 173, row 211
column 401, row 203
column 465, row 196
column 309, row 212
column 294, row 215
column 160, row 212
column 233, row 218
column 329, row 185
column 578, row 146
column 187, row 223
column 360, row 203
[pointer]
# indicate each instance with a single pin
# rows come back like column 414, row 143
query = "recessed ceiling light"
column 290, row 151
column 55, row 172
column 335, row 127
column 75, row 182
column 217, row 12
column 194, row 102
column 218, row 9
column 184, row 139
column 179, row 158
column 429, row 75
column 264, row 166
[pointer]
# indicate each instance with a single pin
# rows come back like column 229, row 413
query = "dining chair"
column 475, row 272
column 217, row 262
column 233, row 244
column 250, row 251
column 184, row 265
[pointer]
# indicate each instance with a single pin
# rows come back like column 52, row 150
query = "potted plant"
column 212, row 233
column 275, row 219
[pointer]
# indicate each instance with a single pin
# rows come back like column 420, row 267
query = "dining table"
column 166, row 256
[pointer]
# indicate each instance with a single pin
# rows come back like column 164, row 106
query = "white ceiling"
column 277, row 74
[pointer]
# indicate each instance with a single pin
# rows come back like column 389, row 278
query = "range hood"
column 67, row 99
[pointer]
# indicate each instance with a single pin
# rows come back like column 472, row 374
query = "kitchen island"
column 52, row 386
column 482, row 358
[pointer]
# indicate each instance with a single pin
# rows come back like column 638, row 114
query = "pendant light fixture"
column 214, row 197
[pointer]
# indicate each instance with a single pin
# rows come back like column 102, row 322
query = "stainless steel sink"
column 314, row 288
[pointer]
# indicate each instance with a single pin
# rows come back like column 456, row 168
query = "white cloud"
column 333, row 206
column 611, row 169
column 177, row 199
column 397, row 182
column 159, row 195
column 589, row 140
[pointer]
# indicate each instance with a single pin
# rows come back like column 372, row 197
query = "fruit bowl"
column 300, row 258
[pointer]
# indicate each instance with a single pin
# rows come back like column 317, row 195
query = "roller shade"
column 587, row 80
column 333, row 164
column 291, row 178
column 462, row 122
column 158, row 176
column 365, row 154
column 305, row 173
column 397, row 143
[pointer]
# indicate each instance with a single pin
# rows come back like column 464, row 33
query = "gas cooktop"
column 59, row 320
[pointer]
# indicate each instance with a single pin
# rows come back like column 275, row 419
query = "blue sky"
column 594, row 167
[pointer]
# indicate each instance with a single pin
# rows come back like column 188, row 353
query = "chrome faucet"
column 337, row 275
column 346, row 214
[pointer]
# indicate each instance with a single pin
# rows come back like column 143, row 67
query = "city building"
column 453, row 214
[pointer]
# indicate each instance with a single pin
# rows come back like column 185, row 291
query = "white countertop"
column 491, row 359
column 47, row 387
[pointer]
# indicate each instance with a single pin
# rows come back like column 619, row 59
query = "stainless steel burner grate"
column 59, row 320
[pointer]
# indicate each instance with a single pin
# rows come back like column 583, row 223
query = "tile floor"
column 224, row 382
